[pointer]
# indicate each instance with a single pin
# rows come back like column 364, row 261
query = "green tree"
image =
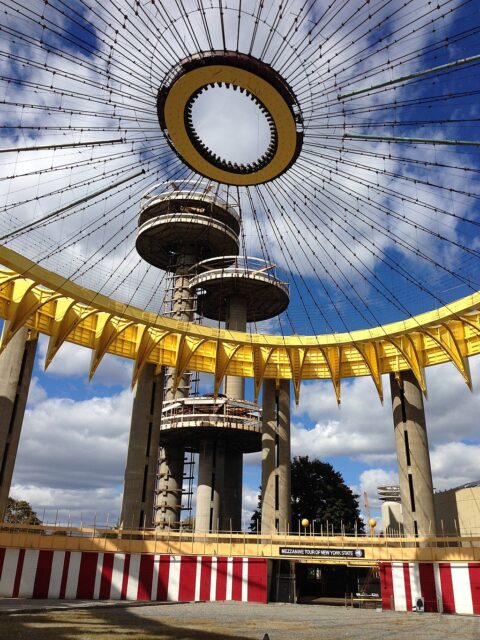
column 319, row 494
column 256, row 519
column 20, row 512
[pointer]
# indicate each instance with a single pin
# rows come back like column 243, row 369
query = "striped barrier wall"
column 446, row 587
column 32, row 573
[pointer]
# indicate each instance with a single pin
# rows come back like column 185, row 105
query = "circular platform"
column 195, row 419
column 183, row 221
column 261, row 83
column 218, row 279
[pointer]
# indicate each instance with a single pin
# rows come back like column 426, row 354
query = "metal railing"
column 236, row 413
column 241, row 266
column 345, row 549
column 204, row 191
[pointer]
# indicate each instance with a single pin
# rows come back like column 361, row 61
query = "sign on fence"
column 322, row 552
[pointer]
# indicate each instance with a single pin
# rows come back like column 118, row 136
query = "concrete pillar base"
column 211, row 473
column 16, row 366
column 168, row 502
column 276, row 463
column 142, row 456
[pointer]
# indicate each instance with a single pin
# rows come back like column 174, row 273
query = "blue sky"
column 375, row 231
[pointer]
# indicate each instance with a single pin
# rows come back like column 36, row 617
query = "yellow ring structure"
column 48, row 303
column 190, row 82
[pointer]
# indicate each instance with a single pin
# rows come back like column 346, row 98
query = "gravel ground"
column 37, row 620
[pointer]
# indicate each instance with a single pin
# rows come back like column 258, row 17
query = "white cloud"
column 36, row 393
column 346, row 430
column 69, row 446
column 252, row 458
column 100, row 506
column 454, row 464
column 369, row 480
column 363, row 429
column 249, row 504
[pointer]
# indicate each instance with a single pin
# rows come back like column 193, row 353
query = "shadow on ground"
column 100, row 623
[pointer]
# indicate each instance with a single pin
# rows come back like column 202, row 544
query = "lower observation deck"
column 256, row 281
column 194, row 419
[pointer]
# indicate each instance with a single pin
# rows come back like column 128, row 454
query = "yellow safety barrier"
column 351, row 550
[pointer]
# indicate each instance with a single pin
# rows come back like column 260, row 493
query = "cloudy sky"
column 351, row 222
column 366, row 232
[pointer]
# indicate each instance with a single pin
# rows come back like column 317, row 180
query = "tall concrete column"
column 16, row 366
column 276, row 463
column 182, row 310
column 219, row 488
column 142, row 455
column 168, row 511
column 211, row 476
column 236, row 321
column 231, row 501
column 411, row 442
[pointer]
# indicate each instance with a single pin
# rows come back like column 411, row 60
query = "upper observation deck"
column 186, row 218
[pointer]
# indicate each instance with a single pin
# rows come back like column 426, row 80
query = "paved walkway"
column 63, row 620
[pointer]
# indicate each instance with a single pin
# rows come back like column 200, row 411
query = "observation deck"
column 191, row 217
column 255, row 280
column 206, row 416
column 389, row 493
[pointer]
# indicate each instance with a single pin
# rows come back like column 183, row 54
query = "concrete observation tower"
column 193, row 233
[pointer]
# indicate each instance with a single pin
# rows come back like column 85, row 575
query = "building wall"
column 392, row 518
column 30, row 573
column 457, row 512
column 446, row 587
column 459, row 509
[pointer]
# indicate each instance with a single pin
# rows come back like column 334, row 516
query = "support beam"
column 411, row 76
column 411, row 442
column 16, row 366
column 276, row 463
column 434, row 141
column 142, row 456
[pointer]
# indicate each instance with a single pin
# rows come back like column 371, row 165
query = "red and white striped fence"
column 446, row 587
column 27, row 573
